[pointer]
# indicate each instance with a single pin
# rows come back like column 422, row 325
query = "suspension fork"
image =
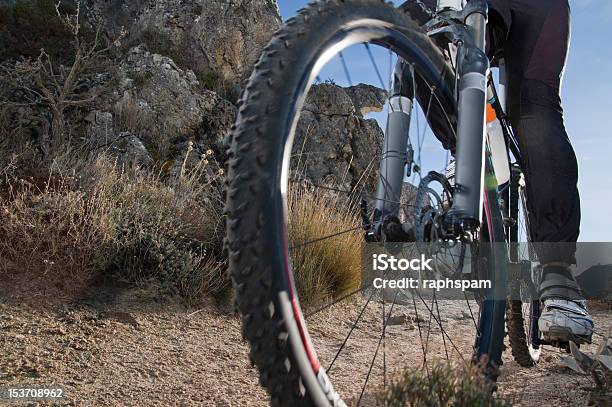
column 473, row 67
column 396, row 152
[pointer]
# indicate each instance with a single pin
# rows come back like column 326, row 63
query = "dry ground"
column 132, row 350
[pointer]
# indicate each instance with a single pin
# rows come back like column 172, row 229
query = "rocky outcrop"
column 367, row 98
column 164, row 94
column 175, row 77
column 163, row 106
column 220, row 40
column 169, row 95
column 334, row 143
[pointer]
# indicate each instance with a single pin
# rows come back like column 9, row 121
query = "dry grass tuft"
column 132, row 118
column 109, row 222
column 140, row 121
column 330, row 267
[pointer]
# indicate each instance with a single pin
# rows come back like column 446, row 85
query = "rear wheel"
column 523, row 306
column 294, row 224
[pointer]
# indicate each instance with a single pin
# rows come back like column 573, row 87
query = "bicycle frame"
column 466, row 28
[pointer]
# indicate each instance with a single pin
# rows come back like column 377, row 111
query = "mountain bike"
column 300, row 111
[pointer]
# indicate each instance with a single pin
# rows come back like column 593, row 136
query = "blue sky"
column 587, row 100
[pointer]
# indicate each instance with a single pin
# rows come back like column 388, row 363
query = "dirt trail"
column 131, row 352
column 134, row 351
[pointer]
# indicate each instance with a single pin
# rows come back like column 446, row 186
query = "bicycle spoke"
column 382, row 84
column 384, row 345
column 442, row 328
column 350, row 332
column 376, row 352
column 421, row 137
column 336, row 301
column 428, row 330
column 471, row 313
column 440, row 318
column 297, row 246
column 346, row 71
column 416, row 318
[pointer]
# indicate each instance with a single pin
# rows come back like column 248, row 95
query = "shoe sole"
column 559, row 334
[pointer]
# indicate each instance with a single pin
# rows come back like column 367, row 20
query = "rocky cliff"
column 220, row 39
column 217, row 39
column 171, row 81
column 341, row 146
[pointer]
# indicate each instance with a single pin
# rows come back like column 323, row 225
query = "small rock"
column 398, row 320
column 464, row 315
column 119, row 316
column 57, row 331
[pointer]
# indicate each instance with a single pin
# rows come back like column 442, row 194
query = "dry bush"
column 135, row 119
column 94, row 219
column 329, row 267
column 45, row 83
column 131, row 117
column 172, row 233
column 443, row 385
column 49, row 239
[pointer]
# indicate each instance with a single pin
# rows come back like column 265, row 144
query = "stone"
column 343, row 147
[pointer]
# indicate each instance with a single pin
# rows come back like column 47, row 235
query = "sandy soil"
column 135, row 351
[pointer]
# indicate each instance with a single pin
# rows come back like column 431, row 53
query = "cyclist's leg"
column 536, row 49
column 535, row 37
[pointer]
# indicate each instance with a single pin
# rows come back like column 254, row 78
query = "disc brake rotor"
column 433, row 200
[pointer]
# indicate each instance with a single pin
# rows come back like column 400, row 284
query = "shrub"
column 28, row 26
column 159, row 139
column 48, row 81
column 106, row 221
column 329, row 267
column 172, row 234
column 443, row 385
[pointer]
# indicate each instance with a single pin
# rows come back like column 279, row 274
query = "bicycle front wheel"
column 286, row 277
